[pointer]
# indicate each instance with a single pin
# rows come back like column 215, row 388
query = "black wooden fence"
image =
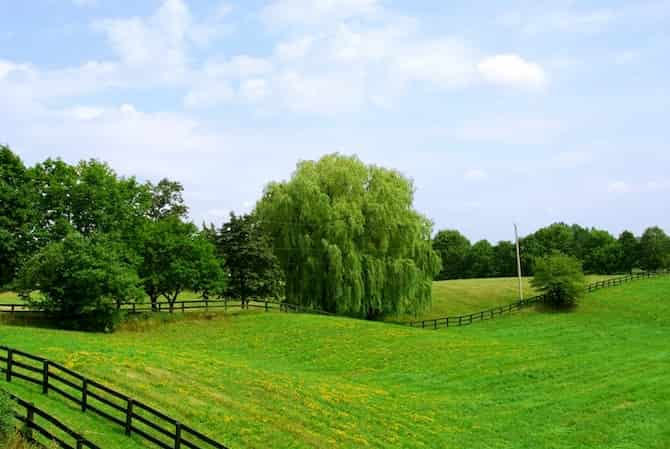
column 464, row 320
column 134, row 416
column 42, row 428
column 185, row 306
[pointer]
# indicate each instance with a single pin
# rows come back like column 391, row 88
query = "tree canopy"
column 348, row 238
column 560, row 277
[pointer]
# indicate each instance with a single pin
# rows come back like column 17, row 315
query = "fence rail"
column 464, row 320
column 134, row 416
column 184, row 306
column 51, row 430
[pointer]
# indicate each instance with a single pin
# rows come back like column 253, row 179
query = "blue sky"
column 517, row 111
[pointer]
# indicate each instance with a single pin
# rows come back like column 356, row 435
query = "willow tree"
column 349, row 240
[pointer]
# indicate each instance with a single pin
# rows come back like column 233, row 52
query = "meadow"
column 596, row 377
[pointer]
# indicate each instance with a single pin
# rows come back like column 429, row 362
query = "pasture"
column 592, row 378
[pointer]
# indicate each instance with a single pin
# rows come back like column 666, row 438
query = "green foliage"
column 252, row 267
column 479, row 261
column 167, row 200
column 6, row 417
column 348, row 239
column 654, row 249
column 176, row 257
column 630, row 251
column 82, row 280
column 560, row 277
column 15, row 214
column 453, row 248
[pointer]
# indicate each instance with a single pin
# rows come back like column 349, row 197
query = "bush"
column 82, row 281
column 6, row 417
column 560, row 278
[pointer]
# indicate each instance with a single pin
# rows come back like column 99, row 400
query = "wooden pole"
column 518, row 261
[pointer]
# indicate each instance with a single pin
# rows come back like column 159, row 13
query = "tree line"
column 598, row 251
column 79, row 240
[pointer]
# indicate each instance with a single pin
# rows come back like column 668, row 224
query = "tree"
column 452, row 247
column 86, row 198
column 16, row 214
column 82, row 280
column 176, row 257
column 349, row 240
column 504, row 259
column 654, row 249
column 167, row 200
column 252, row 267
column 479, row 261
column 630, row 251
column 560, row 277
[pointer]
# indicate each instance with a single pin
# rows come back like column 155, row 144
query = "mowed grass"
column 463, row 296
column 597, row 377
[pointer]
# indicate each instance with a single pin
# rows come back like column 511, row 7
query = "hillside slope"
column 593, row 378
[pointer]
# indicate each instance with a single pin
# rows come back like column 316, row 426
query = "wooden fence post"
column 129, row 416
column 80, row 443
column 84, row 395
column 30, row 421
column 10, row 361
column 45, row 377
column 177, row 436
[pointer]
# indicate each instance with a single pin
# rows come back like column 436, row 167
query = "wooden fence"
column 133, row 416
column 42, row 428
column 185, row 306
column 464, row 320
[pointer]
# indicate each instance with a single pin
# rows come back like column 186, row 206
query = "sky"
column 526, row 112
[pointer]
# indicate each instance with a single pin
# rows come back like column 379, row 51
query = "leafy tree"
column 87, row 198
column 479, row 261
column 16, row 214
column 252, row 267
column 167, row 200
column 560, row 277
column 504, row 259
column 348, row 239
column 654, row 249
column 630, row 251
column 176, row 257
column 81, row 280
column 452, row 247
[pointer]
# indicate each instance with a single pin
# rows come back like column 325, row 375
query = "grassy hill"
column 593, row 378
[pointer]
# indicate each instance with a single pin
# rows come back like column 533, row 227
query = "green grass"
column 593, row 378
column 9, row 298
column 463, row 296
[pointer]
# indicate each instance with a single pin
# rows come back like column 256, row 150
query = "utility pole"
column 518, row 261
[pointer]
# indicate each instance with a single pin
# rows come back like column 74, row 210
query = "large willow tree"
column 349, row 240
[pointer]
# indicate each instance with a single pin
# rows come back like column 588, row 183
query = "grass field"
column 593, row 378
column 462, row 296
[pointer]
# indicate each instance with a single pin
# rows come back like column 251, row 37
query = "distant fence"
column 185, row 306
column 134, row 416
column 464, row 320
column 36, row 422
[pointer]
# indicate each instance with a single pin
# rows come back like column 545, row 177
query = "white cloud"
column 505, row 130
column 571, row 159
column 309, row 12
column 619, row 187
column 475, row 174
column 512, row 70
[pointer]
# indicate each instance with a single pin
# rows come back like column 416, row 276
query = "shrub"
column 82, row 281
column 560, row 277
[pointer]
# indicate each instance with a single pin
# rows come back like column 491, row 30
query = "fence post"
column 10, row 361
column 460, row 320
column 183, row 309
column 80, row 443
column 177, row 436
column 45, row 377
column 84, row 395
column 129, row 416
column 30, row 421
column 206, row 304
column 266, row 306
column 225, row 305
